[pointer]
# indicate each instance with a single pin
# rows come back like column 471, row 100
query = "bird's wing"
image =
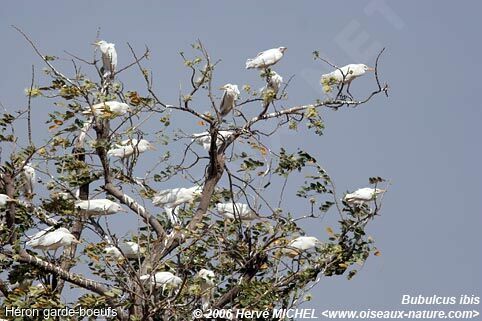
column 223, row 106
column 51, row 238
column 39, row 234
column 261, row 53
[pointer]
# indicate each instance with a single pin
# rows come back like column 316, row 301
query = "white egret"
column 170, row 199
column 231, row 94
column 112, row 107
column 238, row 211
column 4, row 199
column 207, row 286
column 266, row 58
column 163, row 279
column 207, row 276
column 130, row 146
column 204, row 138
column 46, row 240
column 301, row 244
column 109, row 57
column 362, row 195
column 28, row 177
column 345, row 74
column 98, row 207
column 274, row 83
column 128, row 250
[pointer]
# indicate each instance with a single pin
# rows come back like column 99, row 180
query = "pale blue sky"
column 425, row 137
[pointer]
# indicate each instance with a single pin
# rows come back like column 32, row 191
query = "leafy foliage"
column 253, row 261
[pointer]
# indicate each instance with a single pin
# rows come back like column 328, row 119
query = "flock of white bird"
column 264, row 60
column 171, row 199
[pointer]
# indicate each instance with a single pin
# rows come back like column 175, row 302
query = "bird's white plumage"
column 207, row 286
column 163, row 279
column 345, row 74
column 362, row 195
column 204, row 138
column 113, row 107
column 176, row 196
column 266, row 58
column 98, row 207
column 129, row 250
column 46, row 240
column 207, row 276
column 300, row 244
column 170, row 199
column 109, row 57
column 130, row 147
column 228, row 101
column 304, row 243
column 236, row 210
column 28, row 177
column 4, row 199
column 274, row 82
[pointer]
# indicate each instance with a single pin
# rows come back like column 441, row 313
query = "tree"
column 247, row 259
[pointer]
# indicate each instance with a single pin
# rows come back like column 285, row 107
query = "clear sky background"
column 425, row 137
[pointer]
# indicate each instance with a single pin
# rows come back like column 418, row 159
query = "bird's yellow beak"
column 222, row 88
column 370, row 69
column 95, row 43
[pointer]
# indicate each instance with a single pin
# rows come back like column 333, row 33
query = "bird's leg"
column 268, row 75
column 348, row 91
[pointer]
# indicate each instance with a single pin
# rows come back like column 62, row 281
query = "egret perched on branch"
column 28, row 177
column 274, row 83
column 301, row 244
column 98, row 207
column 344, row 75
column 231, row 94
column 128, row 147
column 4, row 199
column 170, row 199
column 236, row 211
column 266, row 58
column 128, row 250
column 362, row 195
column 45, row 240
column 163, row 279
column 112, row 107
column 109, row 57
column 207, row 286
column 204, row 138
